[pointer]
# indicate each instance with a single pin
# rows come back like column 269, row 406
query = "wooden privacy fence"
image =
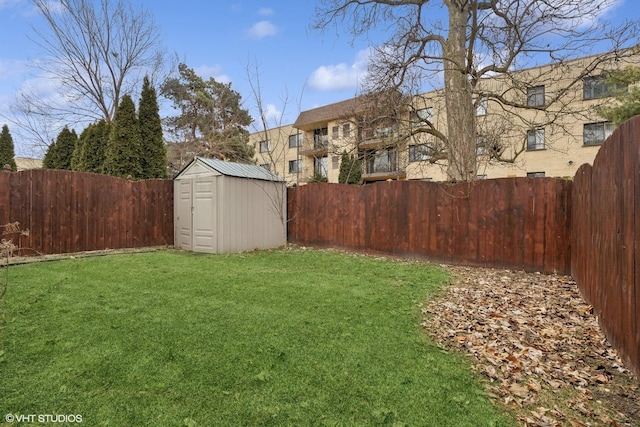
column 519, row 223
column 74, row 211
column 605, row 258
column 589, row 228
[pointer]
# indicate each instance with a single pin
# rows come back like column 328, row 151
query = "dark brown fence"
column 72, row 211
column 519, row 223
column 606, row 230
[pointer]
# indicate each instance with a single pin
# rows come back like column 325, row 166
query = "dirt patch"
column 537, row 346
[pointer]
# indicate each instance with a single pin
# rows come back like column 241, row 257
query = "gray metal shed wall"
column 248, row 216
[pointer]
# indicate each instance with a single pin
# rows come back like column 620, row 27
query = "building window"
column 320, row 137
column 535, row 96
column 384, row 160
column 265, row 146
column 481, row 145
column 421, row 116
column 600, row 87
column 482, row 104
column 335, row 162
column 320, row 166
column 346, row 130
column 535, row 174
column 379, row 132
column 535, row 139
column 483, row 176
column 597, row 133
column 335, row 132
column 295, row 140
column 295, row 166
column 418, row 152
column 267, row 166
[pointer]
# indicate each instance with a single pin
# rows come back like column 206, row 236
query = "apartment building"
column 540, row 121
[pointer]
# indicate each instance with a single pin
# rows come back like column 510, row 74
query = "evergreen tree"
column 49, row 157
column 77, row 159
column 627, row 95
column 154, row 158
column 65, row 146
column 7, row 153
column 96, row 147
column 212, row 122
column 90, row 151
column 77, row 163
column 60, row 153
column 123, row 154
column 350, row 169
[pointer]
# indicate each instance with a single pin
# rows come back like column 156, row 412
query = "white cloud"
column 272, row 114
column 215, row 71
column 341, row 76
column 262, row 29
column 266, row 11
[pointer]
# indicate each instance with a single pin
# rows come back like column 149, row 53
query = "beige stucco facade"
column 558, row 131
column 24, row 163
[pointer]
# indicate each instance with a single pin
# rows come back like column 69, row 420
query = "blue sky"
column 222, row 39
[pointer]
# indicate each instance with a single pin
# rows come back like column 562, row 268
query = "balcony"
column 382, row 165
column 317, row 146
column 379, row 136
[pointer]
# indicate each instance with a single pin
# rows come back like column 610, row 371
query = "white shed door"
column 204, row 215
column 183, row 214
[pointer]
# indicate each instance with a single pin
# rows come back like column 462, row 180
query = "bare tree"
column 271, row 127
column 476, row 39
column 94, row 53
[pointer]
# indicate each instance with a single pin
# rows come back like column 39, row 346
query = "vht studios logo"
column 43, row 418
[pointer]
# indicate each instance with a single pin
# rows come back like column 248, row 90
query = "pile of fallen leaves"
column 537, row 345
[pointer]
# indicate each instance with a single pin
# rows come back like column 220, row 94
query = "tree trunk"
column 461, row 123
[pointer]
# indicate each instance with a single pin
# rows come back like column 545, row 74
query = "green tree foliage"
column 350, row 169
column 123, row 153
column 48, row 162
column 628, row 101
column 212, row 122
column 59, row 155
column 154, row 159
column 90, row 151
column 7, row 153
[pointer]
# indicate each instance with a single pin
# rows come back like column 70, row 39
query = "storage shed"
column 223, row 207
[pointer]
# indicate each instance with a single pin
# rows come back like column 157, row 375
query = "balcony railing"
column 382, row 164
column 320, row 141
column 379, row 134
column 318, row 145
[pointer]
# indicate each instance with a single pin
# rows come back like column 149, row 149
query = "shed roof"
column 240, row 170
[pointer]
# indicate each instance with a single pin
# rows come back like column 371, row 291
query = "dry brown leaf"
column 536, row 330
column 518, row 390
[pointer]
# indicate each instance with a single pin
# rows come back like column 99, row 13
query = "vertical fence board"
column 460, row 223
column 5, row 197
column 400, row 226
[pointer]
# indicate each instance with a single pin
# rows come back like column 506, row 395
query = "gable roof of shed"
column 239, row 170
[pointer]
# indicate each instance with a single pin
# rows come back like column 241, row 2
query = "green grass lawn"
column 290, row 337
